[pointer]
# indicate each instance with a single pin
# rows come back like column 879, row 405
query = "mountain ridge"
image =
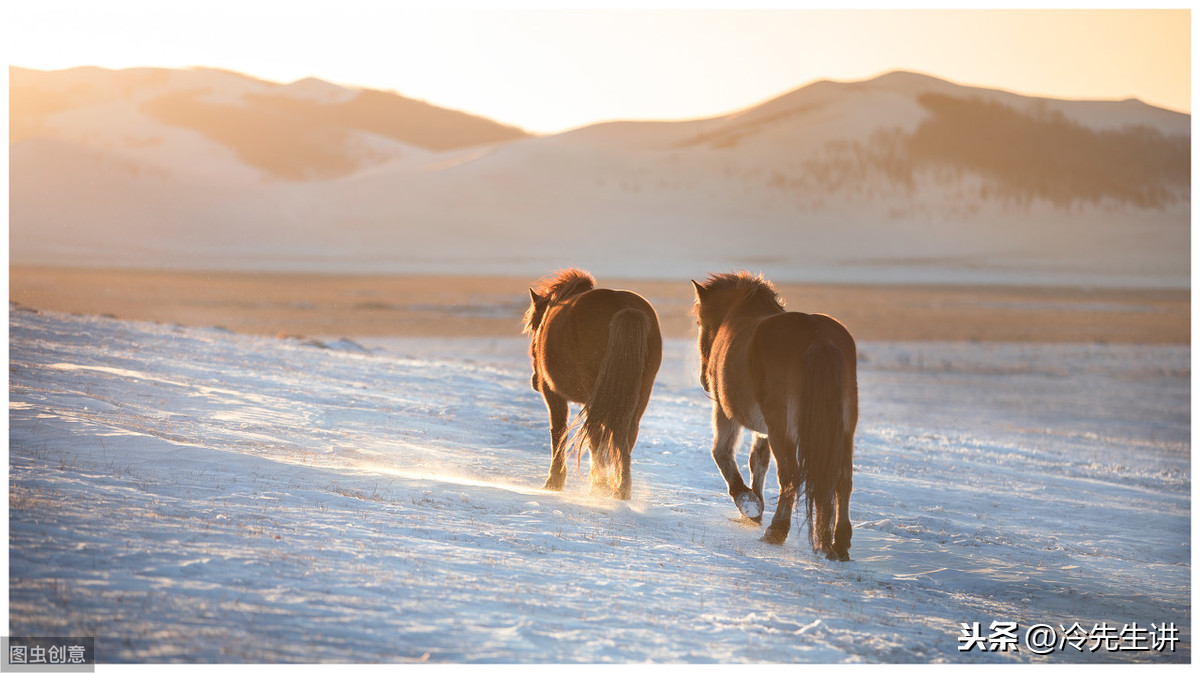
column 900, row 178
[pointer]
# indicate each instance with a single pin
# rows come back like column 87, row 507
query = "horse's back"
column 589, row 316
column 788, row 335
column 602, row 303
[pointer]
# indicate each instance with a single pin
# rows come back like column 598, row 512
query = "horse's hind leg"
column 558, row 440
column 600, row 473
column 843, row 531
column 822, row 527
column 822, row 497
column 725, row 440
column 624, row 488
column 624, row 452
column 760, row 462
column 787, row 467
column 830, row 530
column 605, row 458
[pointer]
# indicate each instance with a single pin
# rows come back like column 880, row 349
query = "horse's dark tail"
column 609, row 416
column 821, row 434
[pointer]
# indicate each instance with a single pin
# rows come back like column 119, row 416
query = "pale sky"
column 552, row 70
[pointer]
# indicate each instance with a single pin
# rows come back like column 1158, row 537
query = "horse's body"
column 792, row 379
column 599, row 348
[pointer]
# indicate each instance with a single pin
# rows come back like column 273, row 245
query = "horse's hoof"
column 750, row 505
column 837, row 555
column 553, row 485
column 774, row 536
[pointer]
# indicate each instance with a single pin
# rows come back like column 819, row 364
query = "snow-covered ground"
column 192, row 495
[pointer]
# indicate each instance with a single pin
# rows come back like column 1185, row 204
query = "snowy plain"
column 193, row 495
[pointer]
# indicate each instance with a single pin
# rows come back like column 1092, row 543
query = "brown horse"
column 792, row 379
column 599, row 348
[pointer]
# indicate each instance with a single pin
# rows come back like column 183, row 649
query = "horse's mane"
column 565, row 283
column 562, row 285
column 745, row 283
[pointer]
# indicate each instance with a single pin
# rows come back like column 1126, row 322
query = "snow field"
column 191, row 495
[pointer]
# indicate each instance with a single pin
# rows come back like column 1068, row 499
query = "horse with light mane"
column 792, row 379
column 599, row 348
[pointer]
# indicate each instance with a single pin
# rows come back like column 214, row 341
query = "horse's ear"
column 699, row 289
column 533, row 296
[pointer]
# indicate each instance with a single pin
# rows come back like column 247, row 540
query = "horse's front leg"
column 726, row 434
column 557, row 406
column 760, row 462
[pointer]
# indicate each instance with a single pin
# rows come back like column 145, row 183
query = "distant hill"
column 901, row 178
column 304, row 130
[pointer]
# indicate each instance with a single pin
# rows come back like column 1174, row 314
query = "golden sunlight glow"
column 550, row 70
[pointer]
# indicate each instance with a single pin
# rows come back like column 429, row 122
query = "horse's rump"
column 804, row 365
column 611, row 412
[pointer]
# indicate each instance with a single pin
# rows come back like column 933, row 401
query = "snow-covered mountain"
column 902, row 178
